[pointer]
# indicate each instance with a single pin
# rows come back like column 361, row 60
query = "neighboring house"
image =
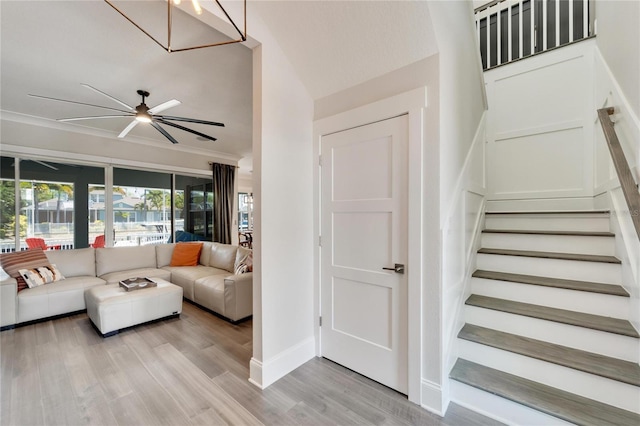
column 451, row 168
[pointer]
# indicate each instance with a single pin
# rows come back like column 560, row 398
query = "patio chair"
column 34, row 243
column 98, row 242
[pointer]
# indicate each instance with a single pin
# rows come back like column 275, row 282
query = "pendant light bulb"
column 196, row 7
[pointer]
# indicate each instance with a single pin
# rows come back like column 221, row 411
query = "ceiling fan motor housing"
column 142, row 110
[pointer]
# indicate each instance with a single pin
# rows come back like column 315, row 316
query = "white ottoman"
column 112, row 308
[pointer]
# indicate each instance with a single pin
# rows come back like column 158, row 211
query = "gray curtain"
column 223, row 179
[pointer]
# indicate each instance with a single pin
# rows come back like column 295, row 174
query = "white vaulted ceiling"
column 334, row 45
column 51, row 47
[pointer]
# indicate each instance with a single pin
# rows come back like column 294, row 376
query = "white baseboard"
column 255, row 373
column 263, row 374
column 433, row 398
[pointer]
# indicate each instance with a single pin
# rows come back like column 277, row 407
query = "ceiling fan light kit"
column 142, row 110
column 198, row 10
column 140, row 114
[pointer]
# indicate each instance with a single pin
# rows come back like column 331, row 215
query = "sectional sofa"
column 212, row 283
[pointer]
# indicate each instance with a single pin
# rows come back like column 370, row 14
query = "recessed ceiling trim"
column 27, row 153
column 76, row 128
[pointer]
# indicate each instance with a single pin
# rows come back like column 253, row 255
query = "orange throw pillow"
column 186, row 254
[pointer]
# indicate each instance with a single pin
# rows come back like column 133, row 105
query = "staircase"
column 546, row 338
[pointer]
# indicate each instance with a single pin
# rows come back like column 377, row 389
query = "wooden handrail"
column 629, row 186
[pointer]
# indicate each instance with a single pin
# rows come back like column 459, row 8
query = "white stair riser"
column 498, row 408
column 542, row 205
column 609, row 273
column 599, row 342
column 587, row 385
column 572, row 300
column 548, row 222
column 551, row 243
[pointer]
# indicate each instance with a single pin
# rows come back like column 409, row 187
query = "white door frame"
column 413, row 103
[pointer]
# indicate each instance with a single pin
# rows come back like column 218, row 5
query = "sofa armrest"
column 8, row 293
column 238, row 296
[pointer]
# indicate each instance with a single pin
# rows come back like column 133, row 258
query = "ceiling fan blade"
column 128, row 128
column 130, row 108
column 92, row 117
column 164, row 132
column 177, row 126
column 77, row 103
column 164, row 105
column 189, row 120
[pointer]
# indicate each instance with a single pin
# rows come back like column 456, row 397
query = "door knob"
column 398, row 268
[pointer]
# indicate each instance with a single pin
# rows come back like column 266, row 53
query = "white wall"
column 461, row 106
column 423, row 73
column 283, row 220
column 619, row 42
column 540, row 126
column 460, row 243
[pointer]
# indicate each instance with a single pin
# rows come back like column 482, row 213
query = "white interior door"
column 364, row 229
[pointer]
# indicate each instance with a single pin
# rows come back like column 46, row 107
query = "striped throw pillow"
column 13, row 262
column 41, row 275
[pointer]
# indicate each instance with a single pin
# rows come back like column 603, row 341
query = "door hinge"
column 320, row 321
column 320, row 161
column 320, row 240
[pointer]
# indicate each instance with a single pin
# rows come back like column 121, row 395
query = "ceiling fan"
column 140, row 114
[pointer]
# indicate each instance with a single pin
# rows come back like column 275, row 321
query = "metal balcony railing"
column 509, row 30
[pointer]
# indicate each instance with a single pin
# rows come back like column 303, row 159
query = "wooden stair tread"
column 611, row 289
column 561, row 233
column 551, row 255
column 555, row 402
column 600, row 365
column 594, row 322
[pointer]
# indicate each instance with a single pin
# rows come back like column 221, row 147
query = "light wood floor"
column 191, row 370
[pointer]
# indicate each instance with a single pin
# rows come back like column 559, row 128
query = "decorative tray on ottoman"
column 138, row 283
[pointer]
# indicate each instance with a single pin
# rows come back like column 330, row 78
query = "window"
column 7, row 206
column 66, row 205
column 245, row 211
column 141, row 207
column 47, row 203
column 197, row 208
column 48, row 212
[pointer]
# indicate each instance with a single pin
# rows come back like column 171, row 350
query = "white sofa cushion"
column 114, row 259
column 163, row 254
column 223, row 256
column 115, row 277
column 205, row 253
column 209, row 292
column 74, row 263
column 185, row 276
column 57, row 298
